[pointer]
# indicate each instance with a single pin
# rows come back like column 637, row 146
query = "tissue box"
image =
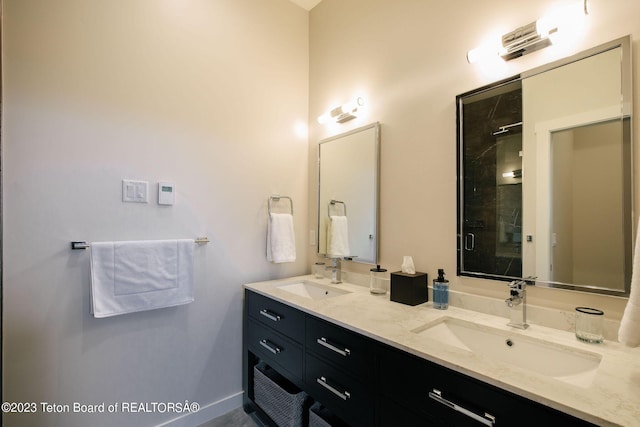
column 410, row 289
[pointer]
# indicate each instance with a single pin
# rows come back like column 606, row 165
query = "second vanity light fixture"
column 343, row 112
column 531, row 37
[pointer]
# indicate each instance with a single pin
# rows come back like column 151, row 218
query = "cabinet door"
column 274, row 348
column 347, row 350
column 285, row 319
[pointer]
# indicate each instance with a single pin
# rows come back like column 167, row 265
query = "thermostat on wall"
column 166, row 193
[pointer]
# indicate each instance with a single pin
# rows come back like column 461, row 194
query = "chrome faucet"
column 336, row 270
column 517, row 301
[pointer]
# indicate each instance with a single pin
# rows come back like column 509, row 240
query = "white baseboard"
column 206, row 413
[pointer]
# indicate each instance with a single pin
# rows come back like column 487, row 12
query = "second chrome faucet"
column 517, row 301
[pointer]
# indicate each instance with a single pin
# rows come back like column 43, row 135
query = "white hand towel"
column 338, row 236
column 127, row 277
column 281, row 240
column 629, row 332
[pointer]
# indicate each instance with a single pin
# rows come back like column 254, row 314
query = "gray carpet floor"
column 235, row 418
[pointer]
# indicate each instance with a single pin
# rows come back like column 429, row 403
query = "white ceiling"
column 306, row 4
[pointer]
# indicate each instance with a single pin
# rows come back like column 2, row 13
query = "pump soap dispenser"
column 440, row 291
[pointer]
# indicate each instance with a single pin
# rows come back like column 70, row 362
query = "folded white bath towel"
column 133, row 276
column 629, row 332
column 281, row 240
column 338, row 236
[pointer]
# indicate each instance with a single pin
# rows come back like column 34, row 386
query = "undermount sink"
column 312, row 290
column 571, row 365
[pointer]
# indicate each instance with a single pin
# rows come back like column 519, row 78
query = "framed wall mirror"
column 545, row 174
column 348, row 184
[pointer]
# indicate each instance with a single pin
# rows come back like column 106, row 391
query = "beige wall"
column 407, row 58
column 203, row 93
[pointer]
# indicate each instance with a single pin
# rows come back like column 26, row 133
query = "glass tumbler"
column 318, row 270
column 589, row 324
column 378, row 281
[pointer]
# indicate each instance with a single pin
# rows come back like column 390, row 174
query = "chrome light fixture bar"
column 343, row 112
column 525, row 39
column 531, row 37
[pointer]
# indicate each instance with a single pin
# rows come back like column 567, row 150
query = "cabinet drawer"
column 281, row 317
column 347, row 350
column 451, row 397
column 348, row 398
column 274, row 348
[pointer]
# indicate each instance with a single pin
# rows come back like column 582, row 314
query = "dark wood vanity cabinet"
column 367, row 383
column 332, row 364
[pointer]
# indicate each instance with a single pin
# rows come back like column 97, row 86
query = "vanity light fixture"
column 343, row 112
column 531, row 37
column 513, row 174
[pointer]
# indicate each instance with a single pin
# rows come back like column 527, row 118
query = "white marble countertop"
column 612, row 398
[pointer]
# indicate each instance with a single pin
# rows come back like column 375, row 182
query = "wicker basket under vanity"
column 278, row 397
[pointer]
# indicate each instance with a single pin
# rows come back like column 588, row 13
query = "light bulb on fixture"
column 482, row 53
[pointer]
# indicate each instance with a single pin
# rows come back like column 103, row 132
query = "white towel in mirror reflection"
column 338, row 236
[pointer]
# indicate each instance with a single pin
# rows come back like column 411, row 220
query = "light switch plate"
column 135, row 191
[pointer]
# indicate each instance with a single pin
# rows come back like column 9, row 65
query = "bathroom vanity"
column 373, row 362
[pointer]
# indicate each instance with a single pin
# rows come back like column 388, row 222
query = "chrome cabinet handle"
column 487, row 419
column 472, row 246
column 273, row 349
column 270, row 315
column 344, row 395
column 325, row 343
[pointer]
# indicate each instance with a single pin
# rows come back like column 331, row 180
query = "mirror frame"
column 376, row 196
column 625, row 44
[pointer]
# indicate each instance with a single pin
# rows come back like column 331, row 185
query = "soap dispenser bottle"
column 440, row 291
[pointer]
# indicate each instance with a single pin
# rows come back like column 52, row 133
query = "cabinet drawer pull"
column 324, row 342
column 270, row 315
column 344, row 395
column 487, row 419
column 267, row 344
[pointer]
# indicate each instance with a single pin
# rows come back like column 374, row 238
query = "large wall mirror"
column 545, row 174
column 348, row 195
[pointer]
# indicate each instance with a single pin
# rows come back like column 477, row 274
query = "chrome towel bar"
column 85, row 245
